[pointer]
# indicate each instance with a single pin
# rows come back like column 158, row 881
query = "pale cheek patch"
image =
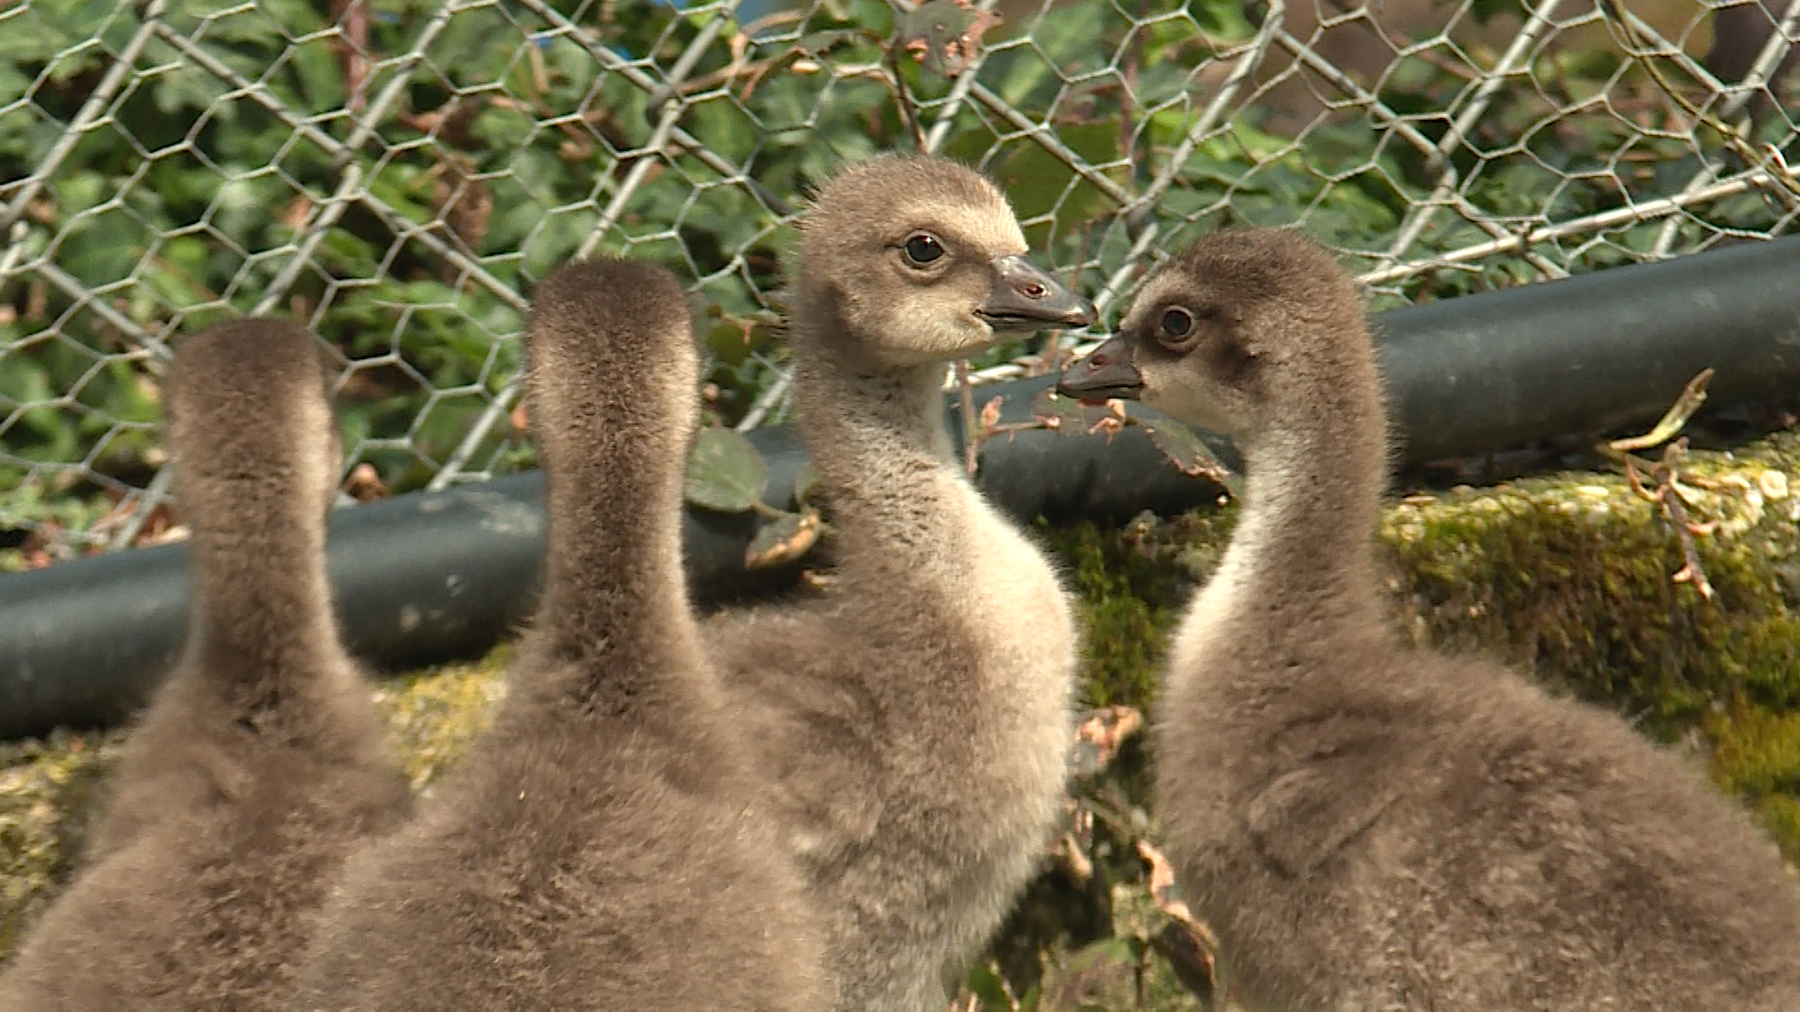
column 920, row 323
column 1169, row 392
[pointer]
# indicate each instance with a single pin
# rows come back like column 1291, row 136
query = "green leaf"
column 782, row 540
column 734, row 338
column 816, row 44
column 1039, row 183
column 807, row 485
column 1187, row 451
column 988, row 988
column 945, row 33
column 724, row 473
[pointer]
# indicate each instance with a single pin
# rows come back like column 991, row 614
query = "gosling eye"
column 923, row 248
column 1177, row 322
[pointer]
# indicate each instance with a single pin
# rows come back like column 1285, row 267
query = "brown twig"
column 354, row 49
column 971, row 427
column 1666, row 494
column 1134, row 60
column 909, row 113
column 1665, row 490
column 1693, row 395
column 1670, row 498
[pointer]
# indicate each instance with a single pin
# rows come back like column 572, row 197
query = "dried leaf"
column 1186, row 942
column 806, row 487
column 1108, row 425
column 364, row 483
column 296, row 213
column 35, row 552
column 1189, row 958
column 944, row 34
column 724, row 472
column 1100, row 734
column 160, row 527
column 990, row 414
column 783, row 540
column 1692, row 396
column 1163, row 889
column 461, row 198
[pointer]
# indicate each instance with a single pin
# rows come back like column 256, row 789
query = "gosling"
column 918, row 718
column 260, row 765
column 1367, row 826
column 606, row 845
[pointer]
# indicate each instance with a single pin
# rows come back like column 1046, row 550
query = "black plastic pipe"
column 428, row 577
column 1593, row 352
column 416, row 579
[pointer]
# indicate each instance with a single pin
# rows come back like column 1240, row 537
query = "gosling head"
column 1236, row 334
column 250, row 420
column 919, row 259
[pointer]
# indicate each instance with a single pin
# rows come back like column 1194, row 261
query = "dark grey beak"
column 1026, row 298
column 1106, row 372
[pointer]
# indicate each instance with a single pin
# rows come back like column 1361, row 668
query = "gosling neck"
column 1304, row 545
column 615, row 596
column 263, row 625
column 876, row 433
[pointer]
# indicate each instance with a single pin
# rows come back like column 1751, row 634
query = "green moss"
column 1755, row 750
column 1779, row 814
column 1571, row 581
column 47, row 790
column 433, row 715
column 1128, row 598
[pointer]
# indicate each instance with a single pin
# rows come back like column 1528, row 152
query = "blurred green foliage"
column 238, row 126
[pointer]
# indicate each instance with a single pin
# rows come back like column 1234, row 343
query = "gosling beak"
column 1106, row 372
column 1026, row 298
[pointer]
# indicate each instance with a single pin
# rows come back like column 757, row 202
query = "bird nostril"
column 1098, row 359
column 1034, row 291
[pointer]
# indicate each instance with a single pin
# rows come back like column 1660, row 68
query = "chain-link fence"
column 398, row 173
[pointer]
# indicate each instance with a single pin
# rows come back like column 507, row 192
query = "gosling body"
column 603, row 847
column 1368, row 826
column 259, row 765
column 917, row 719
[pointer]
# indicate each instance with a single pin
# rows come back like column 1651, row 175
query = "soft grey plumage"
column 1370, row 827
column 918, row 717
column 260, row 764
column 604, row 846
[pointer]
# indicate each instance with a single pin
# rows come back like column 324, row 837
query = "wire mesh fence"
column 397, row 174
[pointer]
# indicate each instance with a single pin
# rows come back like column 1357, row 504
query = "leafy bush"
column 398, row 174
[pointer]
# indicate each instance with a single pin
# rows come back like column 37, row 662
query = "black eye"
column 1177, row 322
column 923, row 249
